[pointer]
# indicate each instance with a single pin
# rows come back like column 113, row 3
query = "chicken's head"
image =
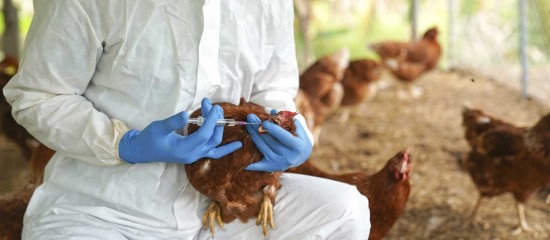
column 474, row 117
column 334, row 64
column 367, row 70
column 400, row 166
column 431, row 34
column 284, row 119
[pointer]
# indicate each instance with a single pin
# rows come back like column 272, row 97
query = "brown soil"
column 442, row 194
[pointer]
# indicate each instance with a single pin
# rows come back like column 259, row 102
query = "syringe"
column 226, row 122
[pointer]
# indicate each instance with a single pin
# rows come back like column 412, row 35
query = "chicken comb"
column 287, row 114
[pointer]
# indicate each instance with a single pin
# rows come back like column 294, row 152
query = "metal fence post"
column 414, row 16
column 451, row 44
column 522, row 47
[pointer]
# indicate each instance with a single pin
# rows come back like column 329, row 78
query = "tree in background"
column 10, row 38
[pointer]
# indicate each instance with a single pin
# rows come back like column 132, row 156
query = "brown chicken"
column 408, row 60
column 387, row 190
column 12, row 208
column 359, row 84
column 15, row 132
column 237, row 193
column 477, row 122
column 537, row 138
column 500, row 162
column 320, row 90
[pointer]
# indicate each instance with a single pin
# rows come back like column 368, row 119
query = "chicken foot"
column 409, row 90
column 477, row 223
column 523, row 226
column 211, row 216
column 344, row 115
column 265, row 216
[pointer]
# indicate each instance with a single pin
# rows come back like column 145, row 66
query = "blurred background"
column 495, row 56
column 480, row 36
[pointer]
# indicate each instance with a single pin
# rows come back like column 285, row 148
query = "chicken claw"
column 213, row 214
column 523, row 226
column 265, row 216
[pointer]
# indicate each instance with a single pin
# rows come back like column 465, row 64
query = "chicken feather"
column 240, row 194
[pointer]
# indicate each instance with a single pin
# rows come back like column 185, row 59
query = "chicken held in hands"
column 387, row 190
column 500, row 162
column 238, row 193
column 321, row 92
column 407, row 61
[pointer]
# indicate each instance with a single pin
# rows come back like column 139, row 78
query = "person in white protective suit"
column 106, row 84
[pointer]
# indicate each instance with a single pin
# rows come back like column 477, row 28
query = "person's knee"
column 351, row 208
column 350, row 202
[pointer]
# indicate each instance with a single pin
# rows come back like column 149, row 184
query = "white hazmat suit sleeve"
column 277, row 86
column 47, row 92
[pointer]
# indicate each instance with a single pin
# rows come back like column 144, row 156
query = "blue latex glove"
column 281, row 149
column 159, row 142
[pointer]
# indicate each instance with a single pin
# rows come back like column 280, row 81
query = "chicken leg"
column 408, row 90
column 474, row 212
column 474, row 221
column 344, row 115
column 265, row 216
column 523, row 226
column 211, row 216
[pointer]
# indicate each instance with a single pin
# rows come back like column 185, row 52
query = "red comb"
column 287, row 114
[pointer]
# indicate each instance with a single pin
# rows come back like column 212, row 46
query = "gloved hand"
column 159, row 142
column 280, row 148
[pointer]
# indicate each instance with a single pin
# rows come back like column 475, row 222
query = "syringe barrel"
column 200, row 120
column 228, row 122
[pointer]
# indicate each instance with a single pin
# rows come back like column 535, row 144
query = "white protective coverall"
column 93, row 69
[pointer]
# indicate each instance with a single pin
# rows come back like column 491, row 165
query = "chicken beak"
column 261, row 129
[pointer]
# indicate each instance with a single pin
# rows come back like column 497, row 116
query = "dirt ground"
column 442, row 194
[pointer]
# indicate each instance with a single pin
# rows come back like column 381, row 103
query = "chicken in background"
column 407, row 61
column 387, row 190
column 234, row 191
column 359, row 84
column 537, row 138
column 500, row 162
column 477, row 122
column 12, row 207
column 321, row 92
column 8, row 126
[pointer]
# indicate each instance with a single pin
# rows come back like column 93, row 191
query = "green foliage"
column 24, row 24
column 369, row 25
column 469, row 7
column 539, row 30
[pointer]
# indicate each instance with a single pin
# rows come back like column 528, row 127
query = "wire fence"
column 483, row 37
column 478, row 36
column 486, row 37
